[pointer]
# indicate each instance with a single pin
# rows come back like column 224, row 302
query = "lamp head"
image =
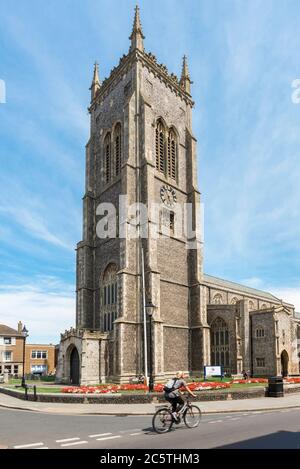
column 24, row 331
column 150, row 307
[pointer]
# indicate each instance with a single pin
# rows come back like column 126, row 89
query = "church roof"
column 233, row 286
column 5, row 330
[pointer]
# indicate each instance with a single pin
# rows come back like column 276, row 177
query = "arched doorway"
column 284, row 363
column 74, row 367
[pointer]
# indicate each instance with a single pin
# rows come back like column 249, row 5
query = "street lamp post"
column 25, row 335
column 150, row 310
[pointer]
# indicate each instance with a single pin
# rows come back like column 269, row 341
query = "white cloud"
column 45, row 312
column 253, row 282
column 35, row 226
column 290, row 295
column 41, row 217
column 287, row 294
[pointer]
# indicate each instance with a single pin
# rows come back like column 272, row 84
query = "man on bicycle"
column 172, row 392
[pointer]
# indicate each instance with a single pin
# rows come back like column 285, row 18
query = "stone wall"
column 176, row 347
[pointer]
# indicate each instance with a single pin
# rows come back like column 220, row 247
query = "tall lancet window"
column 118, row 149
column 219, row 336
column 160, row 146
column 109, row 297
column 107, row 157
column 172, row 154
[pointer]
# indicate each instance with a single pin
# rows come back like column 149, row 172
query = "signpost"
column 213, row 371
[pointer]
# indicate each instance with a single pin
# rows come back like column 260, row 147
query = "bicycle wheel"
column 192, row 416
column 162, row 421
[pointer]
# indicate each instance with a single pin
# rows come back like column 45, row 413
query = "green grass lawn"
column 38, row 390
column 37, row 382
column 47, row 388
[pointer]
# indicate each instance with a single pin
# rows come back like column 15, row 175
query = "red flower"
column 250, row 380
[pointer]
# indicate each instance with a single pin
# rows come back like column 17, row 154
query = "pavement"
column 289, row 401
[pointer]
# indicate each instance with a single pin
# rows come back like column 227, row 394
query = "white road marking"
column 131, row 430
column 42, row 447
column 236, row 418
column 215, row 421
column 138, row 433
column 74, row 443
column 67, row 439
column 31, row 445
column 99, row 434
column 109, row 438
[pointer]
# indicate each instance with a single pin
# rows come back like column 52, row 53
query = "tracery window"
column 118, row 149
column 172, row 154
column 166, row 149
column 160, row 146
column 219, row 334
column 107, row 157
column 251, row 305
column 109, row 297
column 234, row 300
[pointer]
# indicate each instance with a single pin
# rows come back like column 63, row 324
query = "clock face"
column 168, row 196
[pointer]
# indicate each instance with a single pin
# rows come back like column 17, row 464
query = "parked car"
column 1, row 378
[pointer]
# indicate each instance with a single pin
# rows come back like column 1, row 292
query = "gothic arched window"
column 117, row 149
column 234, row 300
column 251, row 305
column 217, row 299
column 107, row 157
column 219, row 335
column 109, row 297
column 160, row 146
column 172, row 154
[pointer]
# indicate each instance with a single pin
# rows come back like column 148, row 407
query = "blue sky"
column 243, row 56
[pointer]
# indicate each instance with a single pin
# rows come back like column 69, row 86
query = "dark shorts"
column 175, row 401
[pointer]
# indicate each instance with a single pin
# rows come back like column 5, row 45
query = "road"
column 32, row 430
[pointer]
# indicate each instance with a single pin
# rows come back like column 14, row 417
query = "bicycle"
column 163, row 419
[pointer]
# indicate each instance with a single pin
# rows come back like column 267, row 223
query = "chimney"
column 20, row 327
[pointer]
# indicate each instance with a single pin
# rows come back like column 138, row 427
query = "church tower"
column 141, row 148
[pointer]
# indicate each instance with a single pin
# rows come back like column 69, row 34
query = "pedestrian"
column 141, row 379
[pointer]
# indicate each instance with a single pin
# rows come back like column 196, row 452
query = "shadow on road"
column 278, row 440
column 150, row 431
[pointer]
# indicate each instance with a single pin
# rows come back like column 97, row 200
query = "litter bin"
column 275, row 388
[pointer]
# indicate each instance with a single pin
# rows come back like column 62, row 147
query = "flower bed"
column 249, row 381
column 292, row 380
column 207, row 385
column 194, row 386
column 117, row 388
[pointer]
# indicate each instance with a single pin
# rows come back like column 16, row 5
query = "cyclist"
column 172, row 393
